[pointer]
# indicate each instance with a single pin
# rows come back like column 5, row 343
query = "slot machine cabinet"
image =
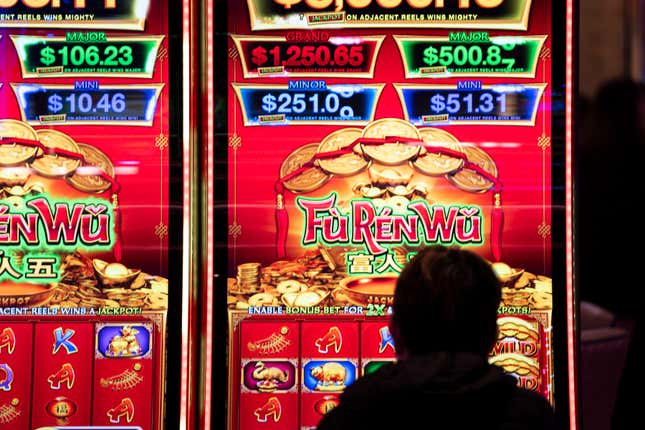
column 99, row 292
column 358, row 133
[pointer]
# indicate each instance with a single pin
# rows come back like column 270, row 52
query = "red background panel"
column 371, row 341
column 106, row 398
column 249, row 403
column 524, row 166
column 254, row 331
column 49, row 363
column 309, row 417
column 20, row 361
column 313, row 331
column 141, row 164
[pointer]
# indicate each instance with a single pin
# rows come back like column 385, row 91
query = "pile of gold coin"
column 418, row 156
column 530, row 290
column 249, row 276
column 79, row 287
column 284, row 280
column 390, row 187
column 17, row 162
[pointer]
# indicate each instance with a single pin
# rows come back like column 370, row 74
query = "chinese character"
column 361, row 263
column 41, row 268
column 389, row 264
column 7, row 267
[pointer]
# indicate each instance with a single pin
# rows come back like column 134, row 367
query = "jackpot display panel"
column 94, row 187
column 361, row 131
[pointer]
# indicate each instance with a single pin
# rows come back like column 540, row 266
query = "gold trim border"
column 293, row 361
column 156, row 87
column 268, row 23
column 104, row 24
column 237, row 39
column 234, row 319
column 25, row 74
column 281, row 87
column 132, row 22
column 121, row 323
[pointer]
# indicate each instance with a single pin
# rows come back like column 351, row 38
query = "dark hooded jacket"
column 439, row 391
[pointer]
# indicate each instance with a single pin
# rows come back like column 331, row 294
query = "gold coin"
column 346, row 164
column 14, row 176
column 133, row 303
column 541, row 300
column 310, row 179
column 86, row 178
column 111, row 304
column 52, row 165
column 391, row 153
column 249, row 267
column 68, row 304
column 434, row 164
column 469, row 180
column 12, row 154
column 398, row 204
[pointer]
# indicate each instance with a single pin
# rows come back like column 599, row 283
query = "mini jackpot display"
column 361, row 131
column 93, row 321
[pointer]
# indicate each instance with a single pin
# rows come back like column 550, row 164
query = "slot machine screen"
column 91, row 213
column 359, row 132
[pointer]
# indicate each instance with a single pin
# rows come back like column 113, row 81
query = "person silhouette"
column 444, row 324
column 612, row 157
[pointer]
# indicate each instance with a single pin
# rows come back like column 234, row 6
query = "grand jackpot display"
column 361, row 131
column 94, row 323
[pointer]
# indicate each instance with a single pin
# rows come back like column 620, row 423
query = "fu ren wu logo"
column 44, row 223
column 37, row 4
column 364, row 224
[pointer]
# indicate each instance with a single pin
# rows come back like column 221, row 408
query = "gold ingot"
column 389, row 176
column 112, row 275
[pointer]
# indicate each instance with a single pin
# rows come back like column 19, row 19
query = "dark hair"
column 446, row 299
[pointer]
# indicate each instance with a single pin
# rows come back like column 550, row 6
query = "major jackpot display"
column 83, row 214
column 359, row 132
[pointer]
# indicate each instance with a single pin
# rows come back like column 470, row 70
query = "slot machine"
column 99, row 298
column 358, row 132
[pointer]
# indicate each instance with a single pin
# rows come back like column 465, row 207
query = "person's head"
column 446, row 299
